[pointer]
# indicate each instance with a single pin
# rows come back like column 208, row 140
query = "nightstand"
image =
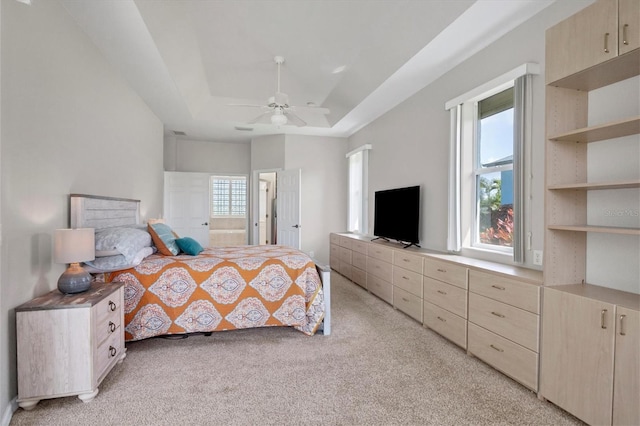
column 68, row 343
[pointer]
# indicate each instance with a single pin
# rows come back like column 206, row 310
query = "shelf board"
column 599, row 229
column 586, row 186
column 615, row 129
column 616, row 69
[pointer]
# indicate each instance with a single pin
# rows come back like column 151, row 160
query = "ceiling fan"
column 279, row 109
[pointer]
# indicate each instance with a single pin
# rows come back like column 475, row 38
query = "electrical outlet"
column 537, row 257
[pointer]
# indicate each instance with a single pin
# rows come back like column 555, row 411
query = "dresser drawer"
column 345, row 242
column 345, row 269
column 359, row 260
column 105, row 327
column 334, row 256
column 345, row 254
column 445, row 323
column 108, row 353
column 334, row 239
column 378, row 252
column 382, row 289
column 447, row 296
column 359, row 246
column 408, row 281
column 380, row 269
column 359, row 277
column 522, row 295
column 408, row 303
column 512, row 359
column 505, row 320
column 408, row 261
column 447, row 272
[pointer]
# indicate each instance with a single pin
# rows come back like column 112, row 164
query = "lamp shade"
column 73, row 245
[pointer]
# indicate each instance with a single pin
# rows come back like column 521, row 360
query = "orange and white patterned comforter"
column 223, row 288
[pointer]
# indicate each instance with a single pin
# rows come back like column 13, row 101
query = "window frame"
column 361, row 203
column 230, row 203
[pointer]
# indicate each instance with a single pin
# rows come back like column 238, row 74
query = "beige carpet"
column 379, row 367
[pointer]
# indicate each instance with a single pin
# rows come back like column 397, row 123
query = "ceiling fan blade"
column 311, row 109
column 247, row 105
column 261, row 117
column 294, row 119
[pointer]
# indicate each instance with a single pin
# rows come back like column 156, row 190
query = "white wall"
column 410, row 143
column 324, row 188
column 185, row 155
column 70, row 124
column 267, row 152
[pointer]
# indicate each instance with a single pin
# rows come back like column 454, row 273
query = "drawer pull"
column 442, row 292
column 498, row 287
column 112, row 351
column 624, row 34
column 497, row 349
column 606, row 42
column 406, row 300
column 112, row 326
column 603, row 314
column 622, row 332
column 441, row 270
column 442, row 319
column 405, row 260
column 497, row 314
column 405, row 278
column 112, row 306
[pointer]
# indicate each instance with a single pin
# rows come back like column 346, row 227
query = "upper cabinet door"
column 585, row 39
column 629, row 35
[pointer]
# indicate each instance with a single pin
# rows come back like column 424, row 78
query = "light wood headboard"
column 92, row 211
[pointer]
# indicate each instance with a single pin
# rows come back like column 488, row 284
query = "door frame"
column 254, row 235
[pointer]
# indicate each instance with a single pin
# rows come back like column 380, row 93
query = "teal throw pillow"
column 189, row 246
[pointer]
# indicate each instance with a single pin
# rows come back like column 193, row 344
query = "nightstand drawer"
column 408, row 303
column 108, row 326
column 359, row 260
column 379, row 252
column 445, row 323
column 522, row 295
column 108, row 353
column 447, row 272
column 504, row 355
column 408, row 280
column 109, row 307
column 380, row 269
column 382, row 289
column 408, row 261
column 359, row 246
column 447, row 296
column 513, row 323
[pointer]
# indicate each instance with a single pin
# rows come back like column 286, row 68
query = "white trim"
column 357, row 150
column 496, row 84
column 8, row 412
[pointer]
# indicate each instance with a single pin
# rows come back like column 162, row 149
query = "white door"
column 288, row 207
column 186, row 205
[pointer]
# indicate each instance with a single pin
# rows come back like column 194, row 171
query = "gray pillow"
column 124, row 240
column 116, row 263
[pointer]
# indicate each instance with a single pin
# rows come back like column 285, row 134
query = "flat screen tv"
column 396, row 215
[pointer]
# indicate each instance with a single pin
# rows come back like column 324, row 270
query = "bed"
column 221, row 288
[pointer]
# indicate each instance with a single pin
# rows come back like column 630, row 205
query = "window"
column 358, row 199
column 229, row 196
column 493, row 171
column 489, row 130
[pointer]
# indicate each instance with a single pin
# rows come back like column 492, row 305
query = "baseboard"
column 8, row 412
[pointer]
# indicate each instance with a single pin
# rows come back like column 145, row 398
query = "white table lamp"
column 73, row 246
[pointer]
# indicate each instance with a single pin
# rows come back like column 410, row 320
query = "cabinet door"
column 585, row 39
column 629, row 25
column 626, row 408
column 577, row 355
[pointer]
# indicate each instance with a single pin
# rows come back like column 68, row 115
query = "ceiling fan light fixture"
column 278, row 118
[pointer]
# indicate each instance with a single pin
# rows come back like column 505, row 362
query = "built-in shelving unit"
column 616, row 129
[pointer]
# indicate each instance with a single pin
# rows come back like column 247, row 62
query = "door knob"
column 205, row 224
column 296, row 226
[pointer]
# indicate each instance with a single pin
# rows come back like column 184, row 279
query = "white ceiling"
column 190, row 59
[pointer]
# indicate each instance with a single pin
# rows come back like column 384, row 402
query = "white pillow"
column 116, row 263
